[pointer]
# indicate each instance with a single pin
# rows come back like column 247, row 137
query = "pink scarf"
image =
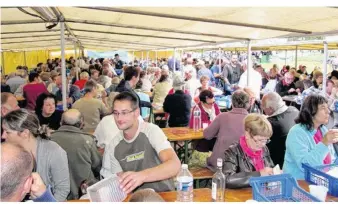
column 318, row 137
column 256, row 157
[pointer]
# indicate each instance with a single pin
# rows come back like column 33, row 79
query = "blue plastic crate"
column 317, row 175
column 279, row 188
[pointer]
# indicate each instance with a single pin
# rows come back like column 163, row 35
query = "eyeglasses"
column 264, row 141
column 212, row 103
column 123, row 113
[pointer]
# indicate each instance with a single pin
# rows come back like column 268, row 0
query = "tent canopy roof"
column 156, row 28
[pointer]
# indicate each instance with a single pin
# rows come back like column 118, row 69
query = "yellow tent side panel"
column 152, row 54
column 12, row 60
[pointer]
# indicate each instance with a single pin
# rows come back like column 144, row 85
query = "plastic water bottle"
column 184, row 185
column 197, row 118
column 218, row 183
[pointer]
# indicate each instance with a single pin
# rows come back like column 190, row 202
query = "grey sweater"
column 52, row 166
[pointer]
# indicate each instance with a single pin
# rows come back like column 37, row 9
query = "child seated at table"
column 146, row 195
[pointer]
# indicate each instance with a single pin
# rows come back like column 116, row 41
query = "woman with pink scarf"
column 250, row 156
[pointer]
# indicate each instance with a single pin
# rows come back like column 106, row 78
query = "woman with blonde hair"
column 250, row 156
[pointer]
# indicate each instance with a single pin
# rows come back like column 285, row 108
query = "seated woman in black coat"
column 249, row 157
column 46, row 111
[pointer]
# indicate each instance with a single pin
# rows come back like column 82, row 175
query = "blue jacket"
column 47, row 196
column 301, row 148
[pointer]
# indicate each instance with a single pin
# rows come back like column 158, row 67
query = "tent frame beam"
column 31, row 36
column 125, row 26
column 116, row 41
column 29, row 41
column 29, row 31
column 150, row 28
column 205, row 20
column 139, row 35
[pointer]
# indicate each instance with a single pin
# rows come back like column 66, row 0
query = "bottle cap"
column 184, row 166
column 219, row 162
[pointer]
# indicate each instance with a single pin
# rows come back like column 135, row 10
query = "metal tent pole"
column 63, row 66
column 133, row 58
column 3, row 63
column 325, row 68
column 248, row 63
column 296, row 59
column 24, row 57
column 147, row 62
column 156, row 58
column 219, row 60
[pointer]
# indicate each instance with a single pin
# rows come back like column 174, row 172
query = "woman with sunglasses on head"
column 22, row 128
column 203, row 147
column 250, row 156
column 309, row 141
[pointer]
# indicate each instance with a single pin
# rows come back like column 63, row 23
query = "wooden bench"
column 199, row 173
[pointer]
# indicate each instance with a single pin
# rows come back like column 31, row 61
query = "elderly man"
column 227, row 127
column 189, row 68
column 91, row 107
column 73, row 92
column 17, row 178
column 83, row 158
column 287, row 86
column 282, row 118
column 8, row 103
column 203, row 71
column 17, row 80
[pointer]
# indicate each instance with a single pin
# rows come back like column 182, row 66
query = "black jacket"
column 283, row 90
column 178, row 105
column 238, row 168
column 125, row 86
column 281, row 124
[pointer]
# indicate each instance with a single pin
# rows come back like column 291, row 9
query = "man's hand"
column 38, row 188
column 131, row 180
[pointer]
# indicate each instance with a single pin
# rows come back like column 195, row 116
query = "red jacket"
column 80, row 83
column 204, row 115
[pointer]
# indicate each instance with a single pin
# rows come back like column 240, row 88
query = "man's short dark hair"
column 89, row 86
column 32, row 76
column 14, row 171
column 127, row 96
column 131, row 72
column 307, row 83
column 240, row 99
column 204, row 94
column 116, row 55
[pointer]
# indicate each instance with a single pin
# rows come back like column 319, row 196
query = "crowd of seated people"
column 106, row 129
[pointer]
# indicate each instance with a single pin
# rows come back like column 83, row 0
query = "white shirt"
column 105, row 131
column 191, row 69
column 270, row 86
column 191, row 86
column 146, row 85
column 255, row 81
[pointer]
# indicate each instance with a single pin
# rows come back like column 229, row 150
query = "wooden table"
column 184, row 134
column 158, row 111
column 231, row 195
